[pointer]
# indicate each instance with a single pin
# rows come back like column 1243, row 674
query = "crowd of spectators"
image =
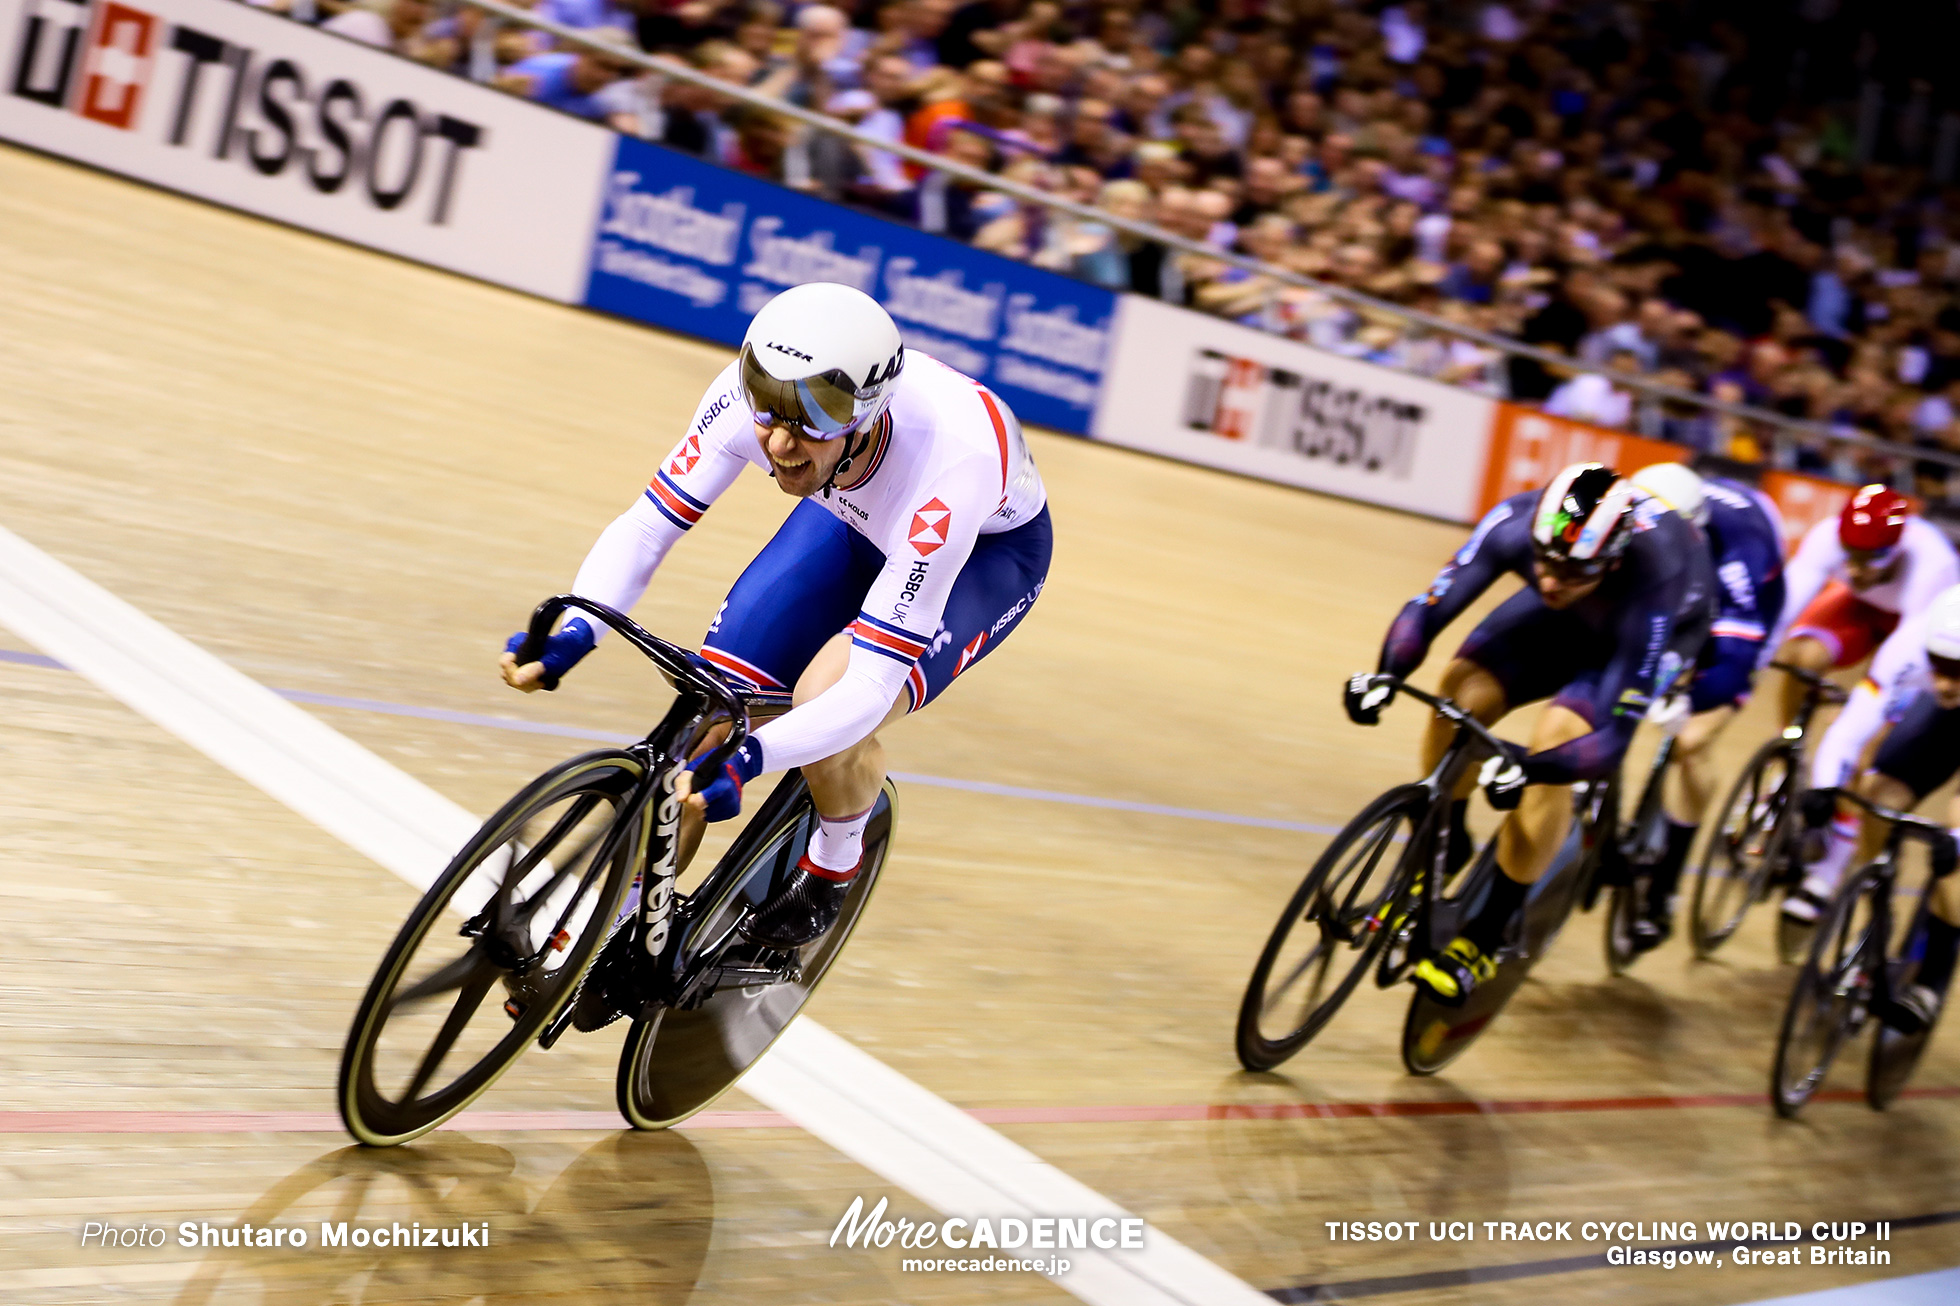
column 1596, row 179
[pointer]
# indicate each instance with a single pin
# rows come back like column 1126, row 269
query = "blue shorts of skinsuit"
column 1537, row 652
column 809, row 583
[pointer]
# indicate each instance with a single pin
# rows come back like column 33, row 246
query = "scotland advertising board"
column 231, row 104
column 1210, row 391
column 698, row 248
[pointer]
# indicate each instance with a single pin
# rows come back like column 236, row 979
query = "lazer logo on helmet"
column 265, row 112
column 891, row 368
column 795, row 353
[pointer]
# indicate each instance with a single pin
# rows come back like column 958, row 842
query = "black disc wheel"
column 1831, row 996
column 677, row 1061
column 1340, row 916
column 493, row 950
column 1749, row 842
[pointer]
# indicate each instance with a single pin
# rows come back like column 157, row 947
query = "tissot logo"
column 117, row 65
column 130, row 70
column 929, row 525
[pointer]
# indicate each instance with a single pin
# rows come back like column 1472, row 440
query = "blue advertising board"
column 698, row 248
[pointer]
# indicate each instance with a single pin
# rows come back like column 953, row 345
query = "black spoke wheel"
column 1748, row 845
column 492, row 951
column 677, row 1061
column 1335, row 923
column 1831, row 996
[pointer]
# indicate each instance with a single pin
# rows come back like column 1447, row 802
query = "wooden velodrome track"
column 350, row 476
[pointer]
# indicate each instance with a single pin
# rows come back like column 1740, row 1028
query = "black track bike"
column 1757, row 841
column 1861, row 955
column 563, row 912
column 1382, row 896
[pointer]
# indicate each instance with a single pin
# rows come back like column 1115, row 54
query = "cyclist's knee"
column 1805, row 652
column 1558, row 725
column 825, row 669
column 1877, row 787
column 1474, row 688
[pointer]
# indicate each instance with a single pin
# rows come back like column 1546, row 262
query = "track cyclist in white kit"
column 920, row 542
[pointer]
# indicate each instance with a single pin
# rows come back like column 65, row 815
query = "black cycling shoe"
column 805, row 907
column 1654, row 926
column 1915, row 1009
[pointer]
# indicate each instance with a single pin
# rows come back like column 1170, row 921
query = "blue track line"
column 604, row 737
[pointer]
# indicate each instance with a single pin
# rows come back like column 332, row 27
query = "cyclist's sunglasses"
column 1871, row 557
column 820, row 407
column 1570, row 571
column 1945, row 668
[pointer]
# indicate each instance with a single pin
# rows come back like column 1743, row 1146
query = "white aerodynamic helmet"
column 1677, row 486
column 821, row 359
column 1943, row 625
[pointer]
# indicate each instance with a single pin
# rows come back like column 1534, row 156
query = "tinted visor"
column 821, row 407
column 1569, row 570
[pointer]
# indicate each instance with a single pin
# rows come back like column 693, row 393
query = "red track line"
column 316, row 1122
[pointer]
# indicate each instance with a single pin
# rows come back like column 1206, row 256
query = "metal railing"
column 1780, row 426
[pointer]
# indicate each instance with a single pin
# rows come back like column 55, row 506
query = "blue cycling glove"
column 562, row 651
column 724, row 794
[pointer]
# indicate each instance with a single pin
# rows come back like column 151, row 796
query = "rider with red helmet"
column 1853, row 579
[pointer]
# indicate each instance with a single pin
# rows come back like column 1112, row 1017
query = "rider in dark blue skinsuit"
column 1745, row 544
column 1618, row 600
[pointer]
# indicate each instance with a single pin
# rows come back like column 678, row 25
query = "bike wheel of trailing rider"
column 677, row 1061
column 1746, row 855
column 492, row 951
column 1335, row 923
column 1828, row 1002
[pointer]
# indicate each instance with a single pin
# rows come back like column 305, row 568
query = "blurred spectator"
column 576, row 82
column 1636, row 187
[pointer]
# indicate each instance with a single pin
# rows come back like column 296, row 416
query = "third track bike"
column 1757, row 842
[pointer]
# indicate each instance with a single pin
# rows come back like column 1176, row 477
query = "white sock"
column 1821, row 876
column 839, row 842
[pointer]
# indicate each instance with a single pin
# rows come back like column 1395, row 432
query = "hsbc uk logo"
column 929, row 525
column 123, row 67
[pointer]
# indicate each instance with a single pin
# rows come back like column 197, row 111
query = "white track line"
column 857, row 1104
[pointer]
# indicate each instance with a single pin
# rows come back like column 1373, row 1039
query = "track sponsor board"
column 1213, row 392
column 230, row 104
column 698, row 248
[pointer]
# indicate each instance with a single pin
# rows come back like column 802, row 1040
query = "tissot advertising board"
column 230, row 104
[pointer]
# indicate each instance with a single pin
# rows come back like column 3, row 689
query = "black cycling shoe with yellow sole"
column 1453, row 974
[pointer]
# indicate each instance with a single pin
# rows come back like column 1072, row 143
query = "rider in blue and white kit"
column 1744, row 535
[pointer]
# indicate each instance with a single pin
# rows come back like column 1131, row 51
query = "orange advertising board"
column 1804, row 501
column 1527, row 448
